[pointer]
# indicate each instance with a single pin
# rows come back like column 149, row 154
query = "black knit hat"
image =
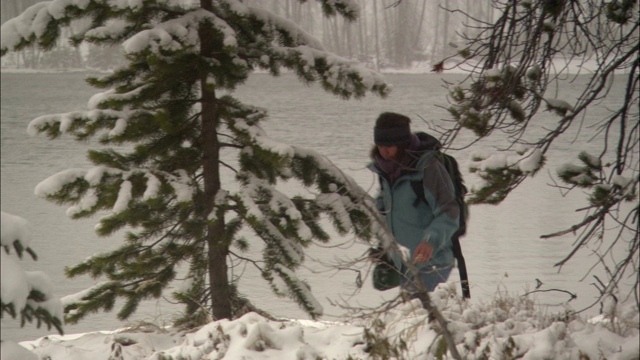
column 398, row 136
column 392, row 129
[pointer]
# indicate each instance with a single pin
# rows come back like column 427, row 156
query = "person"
column 403, row 160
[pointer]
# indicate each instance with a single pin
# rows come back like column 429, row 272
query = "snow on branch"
column 32, row 22
column 44, row 122
column 583, row 176
column 500, row 173
column 260, row 190
column 259, row 136
column 124, row 196
column 342, row 195
column 153, row 186
column 112, row 30
column 53, row 185
column 339, row 75
column 24, row 294
column 338, row 207
column 66, row 121
column 88, row 201
column 56, row 182
column 297, row 33
column 182, row 186
column 284, row 204
column 590, row 175
column 559, row 107
column 15, row 286
column 37, row 21
column 111, row 95
column 326, row 166
column 79, row 297
column 527, row 161
column 305, row 297
column 15, row 228
column 177, row 33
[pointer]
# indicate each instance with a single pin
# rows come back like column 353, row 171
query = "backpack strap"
column 462, row 266
column 451, row 166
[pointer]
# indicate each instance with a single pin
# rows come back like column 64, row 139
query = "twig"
column 573, row 296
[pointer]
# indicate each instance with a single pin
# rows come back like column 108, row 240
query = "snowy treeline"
column 388, row 33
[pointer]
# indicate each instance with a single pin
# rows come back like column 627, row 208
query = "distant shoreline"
column 575, row 67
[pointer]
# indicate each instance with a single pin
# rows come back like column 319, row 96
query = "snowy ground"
column 509, row 327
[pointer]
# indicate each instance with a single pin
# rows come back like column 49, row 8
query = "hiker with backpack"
column 419, row 203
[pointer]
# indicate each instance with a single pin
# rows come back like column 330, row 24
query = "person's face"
column 388, row 152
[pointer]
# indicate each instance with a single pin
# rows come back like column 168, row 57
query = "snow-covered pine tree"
column 170, row 112
column 27, row 295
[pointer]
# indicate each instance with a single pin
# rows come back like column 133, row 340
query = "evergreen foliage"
column 168, row 122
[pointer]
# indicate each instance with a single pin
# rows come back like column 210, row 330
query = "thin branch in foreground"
column 571, row 295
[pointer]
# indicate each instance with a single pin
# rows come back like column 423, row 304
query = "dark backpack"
column 450, row 163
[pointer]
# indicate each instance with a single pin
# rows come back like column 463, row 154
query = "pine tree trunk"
column 218, row 247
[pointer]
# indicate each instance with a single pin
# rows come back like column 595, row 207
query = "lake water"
column 503, row 250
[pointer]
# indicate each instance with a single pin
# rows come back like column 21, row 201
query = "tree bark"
column 217, row 245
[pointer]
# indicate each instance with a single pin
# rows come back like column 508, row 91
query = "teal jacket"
column 412, row 220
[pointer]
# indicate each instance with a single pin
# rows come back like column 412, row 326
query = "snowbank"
column 506, row 328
